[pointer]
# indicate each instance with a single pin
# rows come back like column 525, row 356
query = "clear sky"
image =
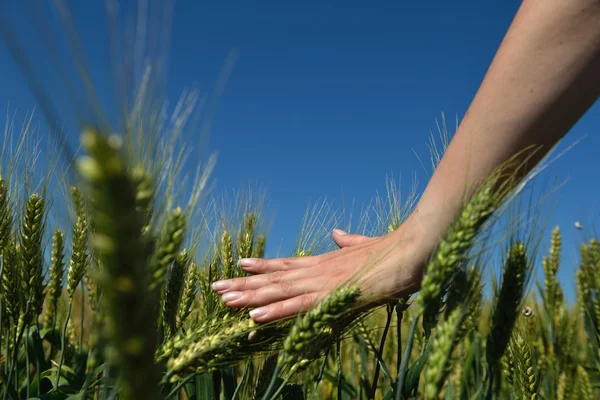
column 328, row 97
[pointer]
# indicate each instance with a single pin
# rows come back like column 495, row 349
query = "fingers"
column 261, row 265
column 258, row 281
column 344, row 239
column 285, row 308
column 271, row 294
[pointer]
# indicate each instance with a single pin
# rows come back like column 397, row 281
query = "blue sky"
column 327, row 98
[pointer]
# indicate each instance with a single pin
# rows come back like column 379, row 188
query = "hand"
column 384, row 267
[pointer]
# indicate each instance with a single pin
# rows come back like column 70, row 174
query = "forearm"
column 544, row 77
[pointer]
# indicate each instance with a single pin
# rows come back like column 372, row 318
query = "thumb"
column 345, row 239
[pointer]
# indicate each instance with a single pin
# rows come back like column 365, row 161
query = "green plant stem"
column 278, row 391
column 62, row 344
column 399, row 315
column 86, row 387
column 272, row 383
column 53, row 329
column 13, row 392
column 37, row 360
column 381, row 347
column 82, row 315
column 423, row 348
column 320, row 376
column 179, row 386
column 1, row 300
column 405, row 358
column 27, row 366
column 490, row 384
column 107, row 377
column 239, row 385
column 15, row 361
column 12, row 364
column 338, row 350
column 7, row 343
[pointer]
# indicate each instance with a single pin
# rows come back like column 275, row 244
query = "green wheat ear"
column 552, row 293
column 188, row 295
column 31, row 254
column 447, row 336
column 460, row 237
column 55, row 282
column 507, row 304
column 11, row 282
column 525, row 367
column 79, row 257
column 259, row 250
column 299, row 346
column 167, row 247
column 173, row 292
column 226, row 255
column 246, row 240
column 199, row 352
column 452, row 252
column 584, row 386
column 6, row 217
column 130, row 323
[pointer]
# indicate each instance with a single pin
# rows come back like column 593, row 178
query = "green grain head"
column 79, row 256
column 55, row 281
column 246, row 239
column 78, row 201
column 188, row 294
column 89, row 279
column 452, row 252
column 208, row 352
column 550, row 264
column 169, row 243
column 32, row 231
column 6, row 217
column 173, row 291
column 525, row 367
column 11, row 280
column 226, row 255
column 259, row 250
column 301, row 344
column 507, row 304
column 584, row 389
column 447, row 336
column 129, row 308
column 145, row 195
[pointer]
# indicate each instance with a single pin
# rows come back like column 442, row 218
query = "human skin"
column 543, row 78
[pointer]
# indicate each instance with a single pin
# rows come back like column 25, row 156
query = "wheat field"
column 107, row 261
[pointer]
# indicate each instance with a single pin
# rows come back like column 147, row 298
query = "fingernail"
column 259, row 312
column 221, row 285
column 340, row 232
column 246, row 262
column 231, row 296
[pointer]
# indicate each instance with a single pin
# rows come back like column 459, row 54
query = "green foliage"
column 137, row 318
column 158, row 330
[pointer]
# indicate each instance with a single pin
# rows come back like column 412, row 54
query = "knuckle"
column 306, row 302
column 287, row 263
column 250, row 296
column 286, row 286
column 260, row 266
column 276, row 277
column 241, row 283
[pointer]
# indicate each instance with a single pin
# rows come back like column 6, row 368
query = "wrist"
column 415, row 239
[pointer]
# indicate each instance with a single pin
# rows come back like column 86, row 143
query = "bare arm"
column 544, row 77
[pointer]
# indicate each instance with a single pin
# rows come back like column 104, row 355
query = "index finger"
column 262, row 265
